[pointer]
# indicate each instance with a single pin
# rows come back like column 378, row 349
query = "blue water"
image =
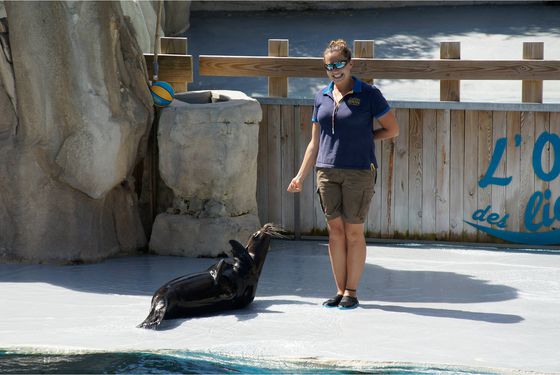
column 184, row 363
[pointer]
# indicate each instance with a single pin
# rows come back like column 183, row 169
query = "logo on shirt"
column 354, row 101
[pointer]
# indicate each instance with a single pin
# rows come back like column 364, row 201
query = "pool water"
column 186, row 362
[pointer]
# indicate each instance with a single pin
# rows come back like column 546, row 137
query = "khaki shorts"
column 346, row 193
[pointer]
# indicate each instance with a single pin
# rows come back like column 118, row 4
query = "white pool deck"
column 434, row 305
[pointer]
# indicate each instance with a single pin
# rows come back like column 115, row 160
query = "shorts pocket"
column 321, row 201
column 365, row 203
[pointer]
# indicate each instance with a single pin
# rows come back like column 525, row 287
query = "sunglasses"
column 337, row 64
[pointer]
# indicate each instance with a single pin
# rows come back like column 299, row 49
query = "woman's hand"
column 295, row 185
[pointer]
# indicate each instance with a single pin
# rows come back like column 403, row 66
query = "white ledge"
column 474, row 106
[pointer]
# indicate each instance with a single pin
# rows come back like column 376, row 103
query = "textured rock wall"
column 143, row 16
column 79, row 126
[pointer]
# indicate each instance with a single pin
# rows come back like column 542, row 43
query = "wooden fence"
column 176, row 67
column 428, row 181
column 457, row 171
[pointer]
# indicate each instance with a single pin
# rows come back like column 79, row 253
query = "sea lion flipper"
column 240, row 252
column 217, row 271
column 237, row 249
column 156, row 315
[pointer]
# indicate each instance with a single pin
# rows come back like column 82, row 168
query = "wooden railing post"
column 532, row 91
column 450, row 90
column 174, row 46
column 278, row 86
column 364, row 49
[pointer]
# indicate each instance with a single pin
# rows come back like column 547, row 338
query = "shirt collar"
column 356, row 88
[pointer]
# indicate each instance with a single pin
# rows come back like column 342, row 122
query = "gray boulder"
column 83, row 115
column 208, row 144
column 185, row 235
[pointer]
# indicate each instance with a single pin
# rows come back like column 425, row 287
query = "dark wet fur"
column 227, row 285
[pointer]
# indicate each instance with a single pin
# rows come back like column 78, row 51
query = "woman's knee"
column 354, row 233
column 336, row 228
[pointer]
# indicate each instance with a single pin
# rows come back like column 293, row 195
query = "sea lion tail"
column 155, row 316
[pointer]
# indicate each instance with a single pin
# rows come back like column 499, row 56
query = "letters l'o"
column 541, row 142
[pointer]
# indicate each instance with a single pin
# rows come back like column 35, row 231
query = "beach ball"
column 162, row 93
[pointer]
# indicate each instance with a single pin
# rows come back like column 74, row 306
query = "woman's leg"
column 338, row 252
column 356, row 256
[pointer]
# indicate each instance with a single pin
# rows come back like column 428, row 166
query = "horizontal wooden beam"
column 258, row 66
column 172, row 68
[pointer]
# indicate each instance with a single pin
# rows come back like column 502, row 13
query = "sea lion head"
column 259, row 242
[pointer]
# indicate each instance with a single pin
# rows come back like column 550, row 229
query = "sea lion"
column 226, row 285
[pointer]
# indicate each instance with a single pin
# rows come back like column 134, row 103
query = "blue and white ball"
column 162, row 93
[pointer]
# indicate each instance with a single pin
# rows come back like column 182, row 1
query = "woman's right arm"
column 308, row 160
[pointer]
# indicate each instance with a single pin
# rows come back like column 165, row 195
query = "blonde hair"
column 339, row 45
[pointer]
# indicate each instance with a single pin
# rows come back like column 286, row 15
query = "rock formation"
column 208, row 143
column 143, row 16
column 76, row 115
column 76, row 111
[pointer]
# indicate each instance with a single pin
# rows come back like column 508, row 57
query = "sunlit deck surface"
column 497, row 309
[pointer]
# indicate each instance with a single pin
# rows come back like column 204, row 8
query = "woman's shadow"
column 308, row 274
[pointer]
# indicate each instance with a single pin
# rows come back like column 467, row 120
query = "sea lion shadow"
column 248, row 313
column 257, row 308
column 262, row 306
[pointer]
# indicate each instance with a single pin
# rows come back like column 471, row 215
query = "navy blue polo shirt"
column 346, row 139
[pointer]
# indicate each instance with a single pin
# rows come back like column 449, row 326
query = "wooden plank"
column 541, row 126
column 262, row 167
column 429, row 172
column 554, row 185
column 443, row 140
column 173, row 45
column 307, row 195
column 401, row 173
column 287, row 147
column 296, row 163
column 387, row 187
column 274, row 164
column 456, row 184
column 470, row 177
column 532, row 90
column 364, row 49
column 485, row 147
column 450, row 90
column 176, row 46
column 257, row 66
column 513, row 165
column 172, row 68
column 526, row 167
column 373, row 220
column 415, row 173
column 499, row 130
column 278, row 86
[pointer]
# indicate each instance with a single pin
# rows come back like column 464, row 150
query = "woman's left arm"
column 389, row 127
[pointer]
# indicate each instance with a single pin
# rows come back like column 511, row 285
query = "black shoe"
column 333, row 302
column 348, row 302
